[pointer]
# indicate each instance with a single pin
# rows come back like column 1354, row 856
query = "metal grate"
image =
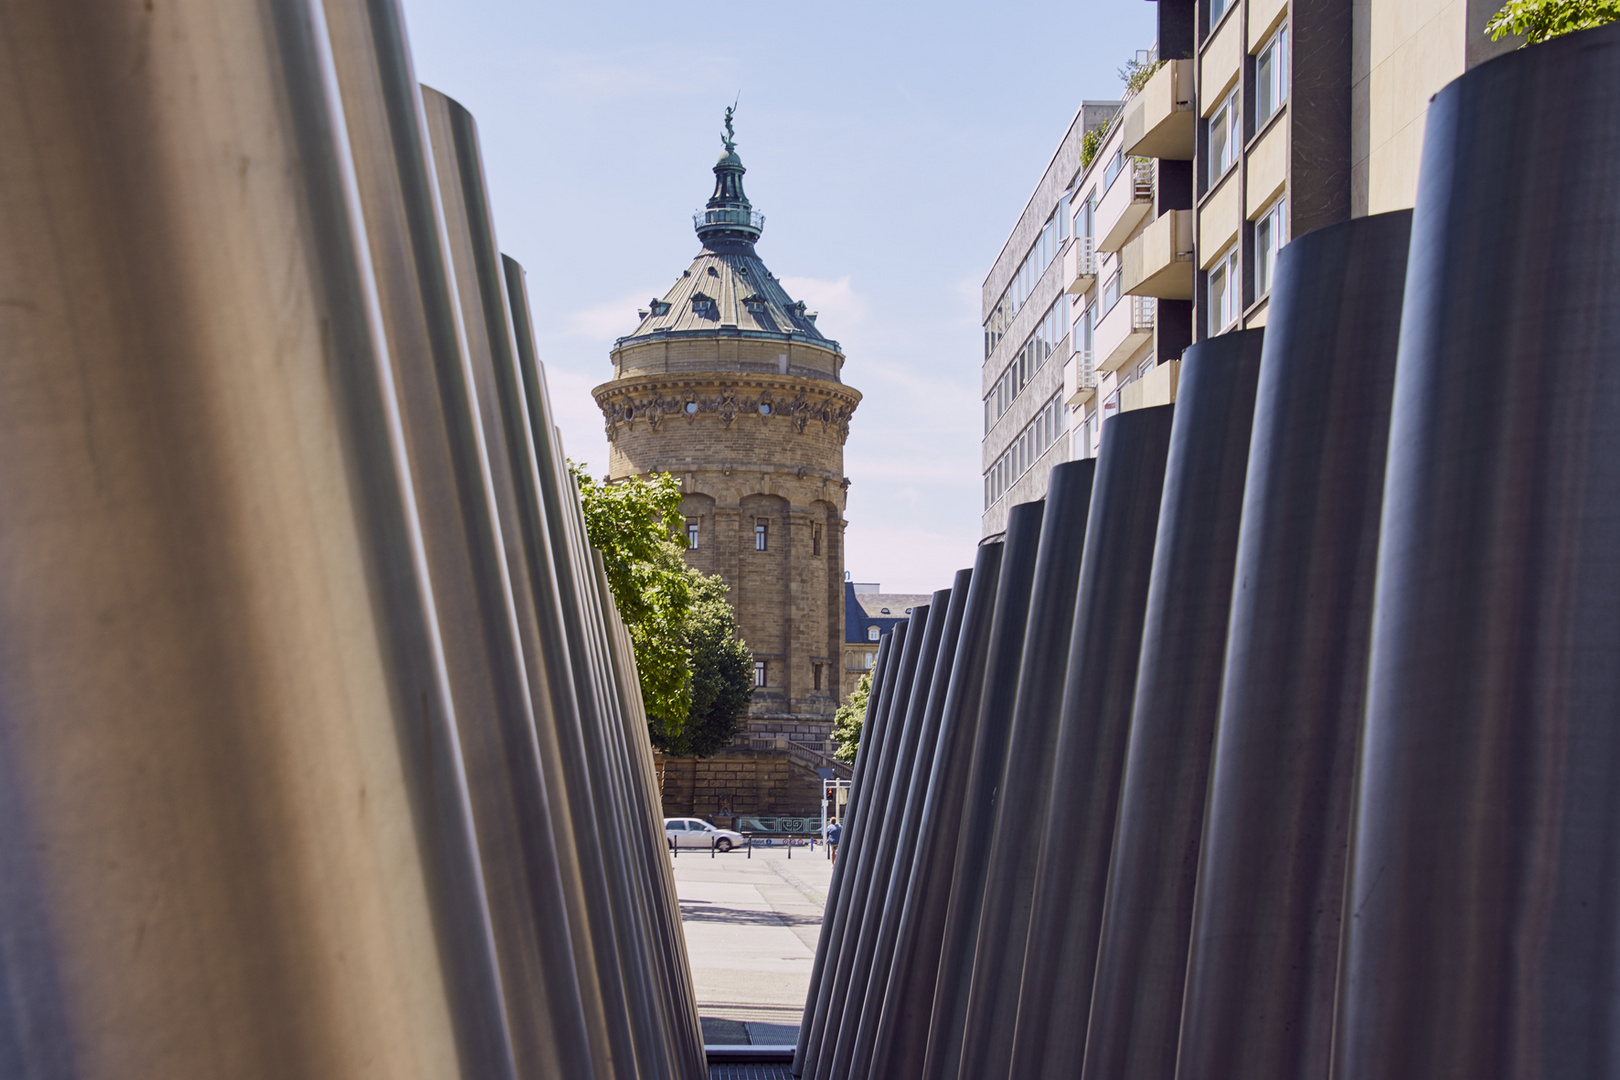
column 751, row 1071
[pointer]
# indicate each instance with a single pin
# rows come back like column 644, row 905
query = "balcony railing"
column 1124, row 205
column 729, row 216
column 1123, row 330
column 1079, row 266
column 1079, row 378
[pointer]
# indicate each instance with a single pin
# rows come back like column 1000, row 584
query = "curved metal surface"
column 1142, row 944
column 541, row 867
column 1263, row 953
column 603, row 869
column 967, row 880
column 1484, row 885
column 864, row 864
column 907, row 1003
column 225, row 735
column 1066, row 911
column 886, row 856
column 1026, row 783
column 877, row 731
column 836, row 888
column 953, row 602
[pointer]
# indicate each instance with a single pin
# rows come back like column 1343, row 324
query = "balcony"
column 1079, row 378
column 1125, row 329
column 1079, row 266
column 1127, row 201
column 1159, row 121
column 1159, row 262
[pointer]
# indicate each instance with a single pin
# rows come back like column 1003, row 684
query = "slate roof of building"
column 733, row 292
column 897, row 603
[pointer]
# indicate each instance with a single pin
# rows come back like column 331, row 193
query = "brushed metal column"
column 542, row 834
column 908, row 1000
column 1078, row 831
column 1026, row 784
column 1484, row 893
column 1147, row 911
column 836, row 927
column 836, row 888
column 864, row 867
column 874, row 950
column 883, row 962
column 967, row 880
column 1263, row 953
column 584, row 757
column 235, row 837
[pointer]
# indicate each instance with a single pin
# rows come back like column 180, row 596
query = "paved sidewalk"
column 751, row 928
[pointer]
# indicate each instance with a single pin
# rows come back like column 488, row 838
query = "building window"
column 815, row 539
column 692, row 533
column 759, row 673
column 815, row 676
column 761, row 534
column 1115, row 165
column 1225, row 136
column 1217, row 8
column 867, row 661
column 1223, row 293
column 872, row 633
column 1270, row 234
column 1271, row 78
column 1110, row 292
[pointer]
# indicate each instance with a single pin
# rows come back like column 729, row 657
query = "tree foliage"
column 696, row 672
column 1541, row 20
column 632, row 524
column 849, row 719
column 722, row 675
column 1090, row 143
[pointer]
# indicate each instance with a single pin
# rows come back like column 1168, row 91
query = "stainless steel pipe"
column 967, row 880
column 835, row 924
column 1026, row 782
column 1147, row 909
column 1484, row 892
column 1060, row 955
column 1263, row 954
column 908, row 1000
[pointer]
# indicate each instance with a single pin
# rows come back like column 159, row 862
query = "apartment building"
column 1027, row 331
column 1261, row 120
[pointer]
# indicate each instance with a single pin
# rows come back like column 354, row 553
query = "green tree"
column 632, row 524
column 1541, row 20
column 849, row 718
column 722, row 675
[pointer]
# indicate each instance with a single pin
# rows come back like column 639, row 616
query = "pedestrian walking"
column 834, row 831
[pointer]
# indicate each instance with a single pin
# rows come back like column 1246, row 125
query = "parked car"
column 695, row 832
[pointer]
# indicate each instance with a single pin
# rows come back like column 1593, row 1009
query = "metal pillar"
column 836, row 888
column 1142, row 944
column 862, row 863
column 1096, row 710
column 1026, row 783
column 1484, row 885
column 907, row 813
column 1263, row 952
column 908, row 999
column 835, row 922
column 967, row 880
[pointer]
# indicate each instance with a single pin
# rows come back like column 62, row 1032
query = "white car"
column 694, row 832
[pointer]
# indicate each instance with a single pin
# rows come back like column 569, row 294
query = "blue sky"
column 890, row 146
